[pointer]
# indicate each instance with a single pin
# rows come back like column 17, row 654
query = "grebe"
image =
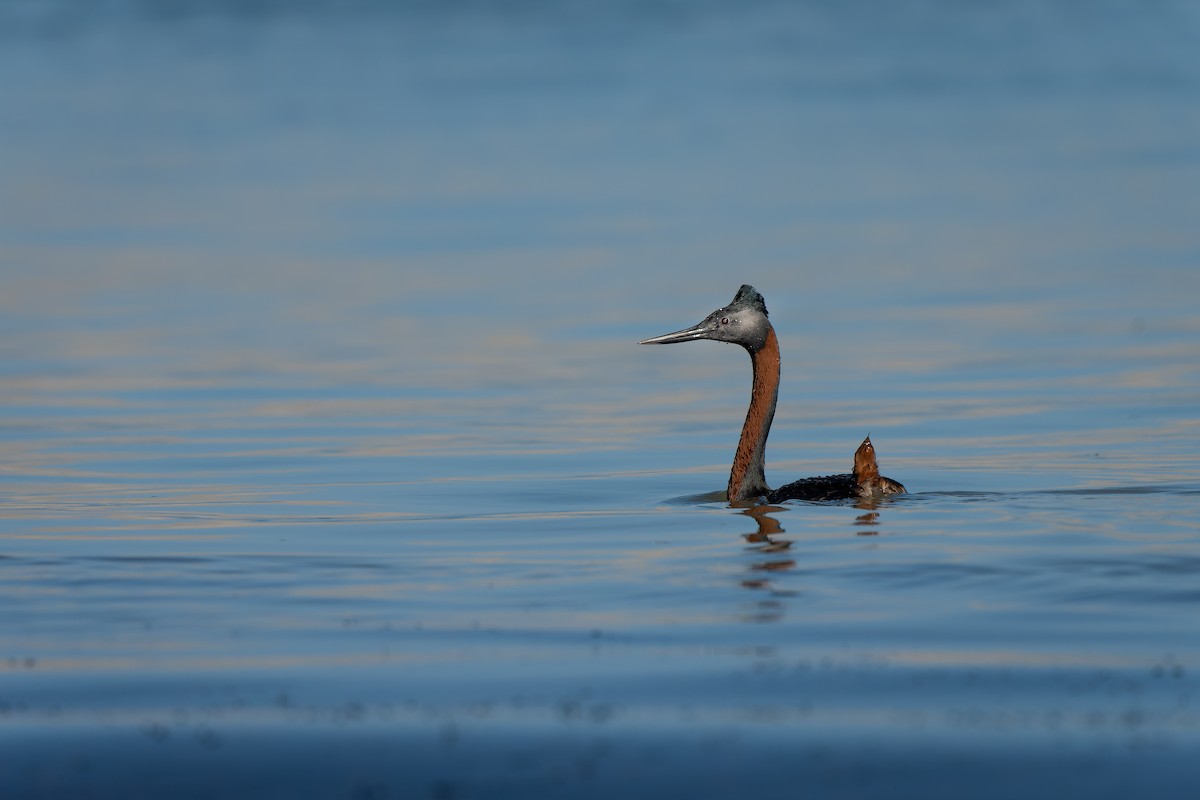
column 744, row 322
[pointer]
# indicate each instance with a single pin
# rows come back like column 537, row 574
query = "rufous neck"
column 747, row 478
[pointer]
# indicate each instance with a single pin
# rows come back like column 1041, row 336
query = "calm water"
column 329, row 466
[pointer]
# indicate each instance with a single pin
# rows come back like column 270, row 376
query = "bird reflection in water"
column 868, row 521
column 767, row 609
column 774, row 560
column 776, row 552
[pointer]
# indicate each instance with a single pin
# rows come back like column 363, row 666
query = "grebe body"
column 864, row 482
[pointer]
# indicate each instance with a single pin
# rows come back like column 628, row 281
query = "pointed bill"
column 700, row 331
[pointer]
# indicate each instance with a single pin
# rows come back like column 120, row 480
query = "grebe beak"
column 702, row 331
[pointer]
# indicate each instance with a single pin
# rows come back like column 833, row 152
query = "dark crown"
column 748, row 297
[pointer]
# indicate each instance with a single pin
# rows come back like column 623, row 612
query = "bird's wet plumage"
column 864, row 482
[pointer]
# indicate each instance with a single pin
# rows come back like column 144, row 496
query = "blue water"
column 329, row 466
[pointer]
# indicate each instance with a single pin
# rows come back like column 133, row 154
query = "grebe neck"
column 747, row 478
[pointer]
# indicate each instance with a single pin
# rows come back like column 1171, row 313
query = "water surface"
column 328, row 464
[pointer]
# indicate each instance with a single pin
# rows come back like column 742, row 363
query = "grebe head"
column 744, row 321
